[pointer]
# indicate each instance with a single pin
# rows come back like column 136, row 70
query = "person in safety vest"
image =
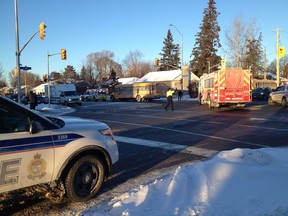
column 169, row 95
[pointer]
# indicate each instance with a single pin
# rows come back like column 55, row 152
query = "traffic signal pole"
column 48, row 74
column 277, row 58
column 17, row 50
column 63, row 57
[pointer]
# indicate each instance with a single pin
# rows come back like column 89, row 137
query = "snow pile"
column 240, row 182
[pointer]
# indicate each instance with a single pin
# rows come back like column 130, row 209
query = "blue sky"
column 121, row 26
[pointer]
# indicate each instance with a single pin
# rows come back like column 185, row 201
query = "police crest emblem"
column 37, row 167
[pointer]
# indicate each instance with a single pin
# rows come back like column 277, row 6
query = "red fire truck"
column 228, row 86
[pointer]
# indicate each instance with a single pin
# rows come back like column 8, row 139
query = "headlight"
column 108, row 133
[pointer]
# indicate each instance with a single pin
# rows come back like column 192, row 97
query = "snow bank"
column 238, row 182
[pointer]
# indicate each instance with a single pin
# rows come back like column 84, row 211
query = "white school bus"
column 146, row 91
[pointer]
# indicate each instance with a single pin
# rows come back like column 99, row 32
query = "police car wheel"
column 84, row 179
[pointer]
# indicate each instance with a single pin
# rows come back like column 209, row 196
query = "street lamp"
column 181, row 53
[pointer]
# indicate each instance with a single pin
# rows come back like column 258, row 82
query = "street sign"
column 25, row 68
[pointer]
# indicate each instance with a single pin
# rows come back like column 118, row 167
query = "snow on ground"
column 240, row 182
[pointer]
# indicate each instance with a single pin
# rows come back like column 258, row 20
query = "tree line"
column 243, row 49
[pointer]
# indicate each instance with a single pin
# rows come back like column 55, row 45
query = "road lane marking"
column 167, row 146
column 209, row 122
column 187, row 132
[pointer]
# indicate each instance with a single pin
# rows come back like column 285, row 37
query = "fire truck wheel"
column 209, row 102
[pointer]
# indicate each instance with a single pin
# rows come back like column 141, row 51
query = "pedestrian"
column 180, row 93
column 169, row 95
column 32, row 100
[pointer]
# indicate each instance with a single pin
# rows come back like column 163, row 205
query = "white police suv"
column 52, row 157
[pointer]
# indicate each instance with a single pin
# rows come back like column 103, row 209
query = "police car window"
column 12, row 121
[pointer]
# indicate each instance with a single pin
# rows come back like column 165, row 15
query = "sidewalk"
column 54, row 109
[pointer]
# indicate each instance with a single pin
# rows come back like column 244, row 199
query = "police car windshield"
column 58, row 122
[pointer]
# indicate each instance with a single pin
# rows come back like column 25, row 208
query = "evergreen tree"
column 170, row 59
column 70, row 73
column 84, row 74
column 253, row 55
column 207, row 42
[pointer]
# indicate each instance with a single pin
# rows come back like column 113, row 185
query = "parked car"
column 279, row 96
column 89, row 95
column 40, row 99
column 50, row 157
column 261, row 93
column 101, row 95
column 13, row 97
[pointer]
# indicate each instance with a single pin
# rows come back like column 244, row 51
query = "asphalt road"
column 152, row 140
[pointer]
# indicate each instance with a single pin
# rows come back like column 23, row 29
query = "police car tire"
column 90, row 169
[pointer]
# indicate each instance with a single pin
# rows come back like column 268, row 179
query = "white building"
column 172, row 78
column 128, row 80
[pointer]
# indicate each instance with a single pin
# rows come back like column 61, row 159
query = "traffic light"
column 42, row 30
column 15, row 72
column 156, row 62
column 281, row 51
column 63, row 54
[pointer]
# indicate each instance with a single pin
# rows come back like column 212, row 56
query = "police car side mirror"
column 35, row 127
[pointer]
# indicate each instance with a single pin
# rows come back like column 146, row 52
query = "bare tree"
column 27, row 78
column 2, row 79
column 235, row 41
column 101, row 64
column 134, row 66
column 238, row 36
column 131, row 63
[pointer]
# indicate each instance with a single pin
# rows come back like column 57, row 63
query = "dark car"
column 13, row 97
column 40, row 99
column 261, row 93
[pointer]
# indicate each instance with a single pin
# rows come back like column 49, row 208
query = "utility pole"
column 182, row 53
column 265, row 68
column 277, row 57
column 63, row 57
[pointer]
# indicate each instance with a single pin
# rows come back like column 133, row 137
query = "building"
column 172, row 78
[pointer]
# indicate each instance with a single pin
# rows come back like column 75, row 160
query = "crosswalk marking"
column 168, row 146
